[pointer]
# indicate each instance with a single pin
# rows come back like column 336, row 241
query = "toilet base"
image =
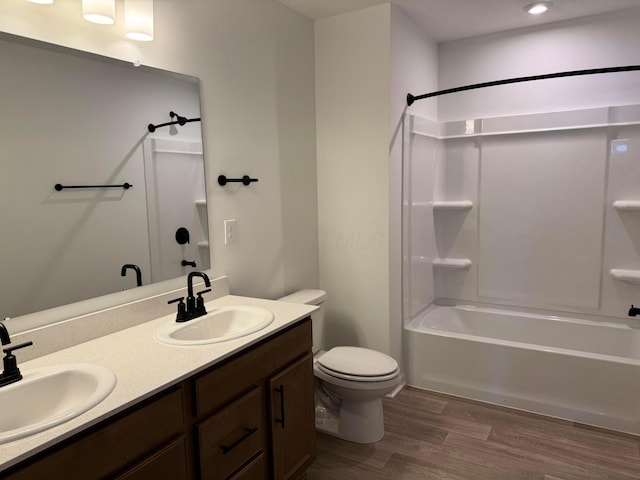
column 357, row 421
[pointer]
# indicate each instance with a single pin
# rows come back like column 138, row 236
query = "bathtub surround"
column 542, row 226
column 538, row 163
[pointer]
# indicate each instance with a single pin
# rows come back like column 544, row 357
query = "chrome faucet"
column 194, row 307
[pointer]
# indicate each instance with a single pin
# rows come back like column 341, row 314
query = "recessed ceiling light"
column 537, row 8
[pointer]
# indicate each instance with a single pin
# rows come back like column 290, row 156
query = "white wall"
column 255, row 60
column 414, row 68
column 352, row 117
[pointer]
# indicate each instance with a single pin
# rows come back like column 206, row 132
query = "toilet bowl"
column 350, row 382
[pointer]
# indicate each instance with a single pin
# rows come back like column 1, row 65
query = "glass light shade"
column 538, row 7
column 138, row 19
column 99, row 11
column 41, row 2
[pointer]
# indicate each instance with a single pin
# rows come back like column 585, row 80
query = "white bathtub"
column 580, row 370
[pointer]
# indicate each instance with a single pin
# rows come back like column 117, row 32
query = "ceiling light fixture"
column 138, row 19
column 99, row 11
column 537, row 8
column 41, row 2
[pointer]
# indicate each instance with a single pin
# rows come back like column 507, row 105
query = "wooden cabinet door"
column 170, row 462
column 292, row 416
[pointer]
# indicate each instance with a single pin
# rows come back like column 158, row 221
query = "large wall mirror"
column 78, row 120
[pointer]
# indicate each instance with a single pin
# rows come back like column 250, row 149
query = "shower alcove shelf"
column 448, row 206
column 627, row 205
column 452, row 263
column 625, row 275
column 621, row 274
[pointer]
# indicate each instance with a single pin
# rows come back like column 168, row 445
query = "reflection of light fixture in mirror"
column 99, row 11
column 537, row 8
column 138, row 19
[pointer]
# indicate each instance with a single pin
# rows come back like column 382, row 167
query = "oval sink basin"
column 49, row 396
column 219, row 325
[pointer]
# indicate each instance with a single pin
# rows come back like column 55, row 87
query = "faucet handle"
column 11, row 372
column 9, row 350
column 200, row 308
column 182, row 311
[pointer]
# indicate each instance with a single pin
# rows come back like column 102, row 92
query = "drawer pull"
column 247, row 433
column 280, row 420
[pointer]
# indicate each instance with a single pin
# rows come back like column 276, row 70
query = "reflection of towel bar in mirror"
column 60, row 187
column 246, row 180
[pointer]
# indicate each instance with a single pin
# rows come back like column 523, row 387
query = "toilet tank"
column 311, row 297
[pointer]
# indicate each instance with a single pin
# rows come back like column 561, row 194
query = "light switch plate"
column 230, row 231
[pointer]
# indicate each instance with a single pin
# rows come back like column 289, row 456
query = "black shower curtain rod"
column 574, row 73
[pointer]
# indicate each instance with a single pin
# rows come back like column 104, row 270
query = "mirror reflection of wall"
column 78, row 119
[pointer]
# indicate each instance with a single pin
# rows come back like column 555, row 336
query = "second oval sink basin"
column 219, row 325
column 49, row 396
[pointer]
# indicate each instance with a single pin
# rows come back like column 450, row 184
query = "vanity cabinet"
column 280, row 374
column 249, row 417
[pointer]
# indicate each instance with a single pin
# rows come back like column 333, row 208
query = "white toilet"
column 350, row 381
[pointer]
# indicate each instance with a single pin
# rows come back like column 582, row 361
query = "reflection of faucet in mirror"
column 4, row 335
column 136, row 268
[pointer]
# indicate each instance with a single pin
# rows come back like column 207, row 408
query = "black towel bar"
column 246, row 180
column 59, row 186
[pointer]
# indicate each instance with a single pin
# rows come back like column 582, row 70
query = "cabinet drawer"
column 251, row 367
column 256, row 470
column 170, row 462
column 232, row 437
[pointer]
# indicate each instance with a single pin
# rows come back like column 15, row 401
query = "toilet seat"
column 358, row 364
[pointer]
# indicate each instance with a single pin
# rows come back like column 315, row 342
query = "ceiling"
column 447, row 20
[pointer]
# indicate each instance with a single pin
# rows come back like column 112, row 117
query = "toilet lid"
column 357, row 362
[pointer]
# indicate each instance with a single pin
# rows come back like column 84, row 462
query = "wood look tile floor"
column 432, row 436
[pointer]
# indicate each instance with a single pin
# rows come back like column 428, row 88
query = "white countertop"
column 143, row 366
